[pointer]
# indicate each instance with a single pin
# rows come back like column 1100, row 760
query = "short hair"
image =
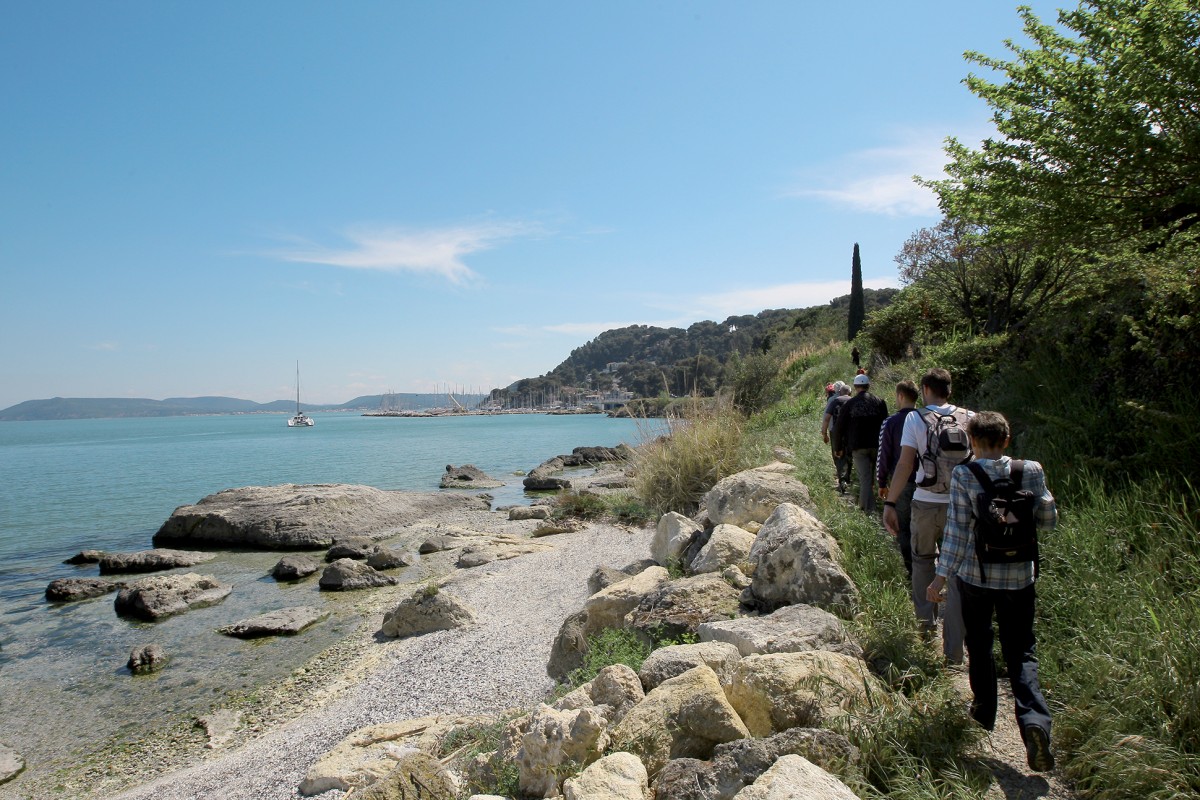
column 908, row 389
column 937, row 380
column 989, row 427
column 845, row 390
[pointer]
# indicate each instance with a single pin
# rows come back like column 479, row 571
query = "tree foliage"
column 858, row 310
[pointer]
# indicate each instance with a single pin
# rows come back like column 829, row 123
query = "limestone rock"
column 778, row 691
column 685, row 716
column 554, row 738
column 384, row 557
column 679, row 607
column 619, row 776
column 784, row 454
column 146, row 658
column 416, row 774
column 529, row 512
column 426, row 611
column 796, row 561
column 159, row 558
column 164, row 595
column 552, row 527
column 734, row 576
column 284, row 622
column 791, row 629
column 346, row 574
column 796, row 778
column 292, row 516
column 439, row 544
column 668, row 662
column 616, row 686
column 11, row 763
column 671, row 536
column 727, row 545
column 220, row 725
column 603, row 577
column 291, row 568
column 356, row 547
column 752, row 495
column 497, row 548
column 85, row 557
column 468, row 476
column 68, row 590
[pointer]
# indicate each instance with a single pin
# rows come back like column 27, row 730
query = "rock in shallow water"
column 468, row 476
column 284, row 622
column 346, row 574
column 291, row 568
column 165, row 595
column 147, row 658
column 85, row 557
column 68, row 590
column 151, row 560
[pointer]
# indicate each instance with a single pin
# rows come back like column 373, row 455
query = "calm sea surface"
column 71, row 485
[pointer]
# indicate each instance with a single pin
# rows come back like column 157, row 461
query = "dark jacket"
column 889, row 447
column 858, row 423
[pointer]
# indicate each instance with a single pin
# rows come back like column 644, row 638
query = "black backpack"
column 1005, row 527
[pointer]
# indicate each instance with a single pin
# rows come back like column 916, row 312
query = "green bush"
column 610, row 646
column 673, row 472
column 581, row 505
column 755, row 381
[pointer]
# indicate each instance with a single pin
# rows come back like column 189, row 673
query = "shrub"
column 610, row 646
column 673, row 472
column 582, row 505
column 755, row 382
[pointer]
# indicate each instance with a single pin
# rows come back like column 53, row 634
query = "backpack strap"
column 1017, row 471
column 986, row 482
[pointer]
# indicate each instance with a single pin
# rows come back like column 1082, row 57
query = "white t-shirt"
column 915, row 434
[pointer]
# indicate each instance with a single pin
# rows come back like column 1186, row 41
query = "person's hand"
column 891, row 520
column 883, row 492
column 935, row 592
column 838, row 453
column 825, row 437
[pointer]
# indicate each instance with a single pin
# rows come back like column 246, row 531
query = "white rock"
column 671, row 537
column 795, row 561
column 727, row 546
column 752, row 495
column 674, row 660
column 796, row 778
column 620, row 776
column 791, row 629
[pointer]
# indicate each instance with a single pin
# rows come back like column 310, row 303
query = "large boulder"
column 778, row 691
column 147, row 658
column 616, row 686
column 356, row 547
column 796, row 778
column 604, row 609
column 416, row 774
column 68, row 590
column 791, row 629
column 165, row 595
column 752, row 495
column 294, row 517
column 346, row 574
column 428, row 609
column 468, row 476
column 160, row 558
column 385, row 557
column 679, row 607
column 293, row 568
column 673, row 660
column 671, row 537
column 283, row 622
column 11, row 763
column 795, row 560
column 728, row 545
column 620, row 776
column 684, row 717
column 554, row 739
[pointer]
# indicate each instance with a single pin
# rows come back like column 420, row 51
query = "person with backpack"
column 857, row 435
column 990, row 551
column 841, row 464
column 933, row 442
column 885, row 467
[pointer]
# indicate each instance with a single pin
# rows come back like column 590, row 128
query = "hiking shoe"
column 1037, row 749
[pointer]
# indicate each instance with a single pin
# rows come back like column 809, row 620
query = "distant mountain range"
column 111, row 407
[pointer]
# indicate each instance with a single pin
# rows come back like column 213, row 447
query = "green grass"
column 610, row 646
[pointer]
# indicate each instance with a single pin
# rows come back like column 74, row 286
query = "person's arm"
column 956, row 540
column 908, row 457
column 825, row 426
column 1046, row 513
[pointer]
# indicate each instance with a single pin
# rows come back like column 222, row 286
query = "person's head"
column 842, row 388
column 988, row 431
column 828, row 390
column 906, row 394
column 935, row 385
column 862, row 383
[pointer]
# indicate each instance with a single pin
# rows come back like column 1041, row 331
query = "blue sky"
column 402, row 195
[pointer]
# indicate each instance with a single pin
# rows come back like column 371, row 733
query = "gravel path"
column 497, row 664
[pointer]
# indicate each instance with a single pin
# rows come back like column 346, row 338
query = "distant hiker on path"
column 841, row 465
column 856, row 435
column 933, row 441
column 855, row 356
column 994, row 565
column 885, row 467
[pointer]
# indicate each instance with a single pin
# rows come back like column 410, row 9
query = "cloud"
column 108, row 347
column 434, row 251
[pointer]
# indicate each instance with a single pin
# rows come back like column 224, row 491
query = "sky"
column 404, row 195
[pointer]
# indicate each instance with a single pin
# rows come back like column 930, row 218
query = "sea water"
column 69, row 485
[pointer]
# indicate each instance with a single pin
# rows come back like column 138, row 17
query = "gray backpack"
column 946, row 447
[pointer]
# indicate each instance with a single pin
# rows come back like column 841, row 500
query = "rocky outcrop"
column 554, row 738
column 468, row 476
column 146, row 658
column 355, row 547
column 518, row 513
column 553, row 527
column 428, row 609
column 346, row 574
column 796, row 778
column 752, row 495
column 791, row 629
column 85, row 557
column 292, row 568
column 160, row 558
column 686, row 716
column 671, row 537
column 69, row 590
column 795, row 560
column 284, row 622
column 384, row 557
column 11, row 763
column 674, row 660
column 165, row 595
column 728, row 545
column 617, row 687
column 619, row 776
column 542, row 478
column 294, row 517
column 679, row 607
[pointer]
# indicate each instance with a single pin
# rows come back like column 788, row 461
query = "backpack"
column 1005, row 527
column 946, row 446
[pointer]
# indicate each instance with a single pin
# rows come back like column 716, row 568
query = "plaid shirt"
column 958, row 543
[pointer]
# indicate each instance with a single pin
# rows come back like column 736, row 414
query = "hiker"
column 856, row 435
column 885, row 467
column 998, row 579
column 841, row 466
column 933, row 441
column 855, row 356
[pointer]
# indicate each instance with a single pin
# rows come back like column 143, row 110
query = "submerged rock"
column 165, row 595
column 160, row 558
column 284, row 622
column 68, row 590
column 146, row 658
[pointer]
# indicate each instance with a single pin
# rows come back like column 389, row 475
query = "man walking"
column 889, row 457
column 932, row 442
column 857, row 435
column 841, row 466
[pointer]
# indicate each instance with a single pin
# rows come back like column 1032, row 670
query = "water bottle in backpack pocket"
column 947, row 445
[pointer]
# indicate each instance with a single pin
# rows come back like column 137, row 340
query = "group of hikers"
column 965, row 518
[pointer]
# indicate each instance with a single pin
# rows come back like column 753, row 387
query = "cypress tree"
column 858, row 312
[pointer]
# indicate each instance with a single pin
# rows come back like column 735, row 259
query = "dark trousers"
column 1013, row 610
column 904, row 537
column 841, row 466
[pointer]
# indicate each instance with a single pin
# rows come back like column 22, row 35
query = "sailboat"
column 300, row 420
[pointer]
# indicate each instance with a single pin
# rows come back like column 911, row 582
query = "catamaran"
column 300, row 420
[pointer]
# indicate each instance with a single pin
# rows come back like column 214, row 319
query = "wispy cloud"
column 108, row 347
column 434, row 251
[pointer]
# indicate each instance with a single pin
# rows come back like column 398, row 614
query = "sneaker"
column 1037, row 749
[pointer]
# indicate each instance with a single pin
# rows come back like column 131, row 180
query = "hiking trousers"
column 928, row 522
column 904, row 537
column 841, row 467
column 1013, row 610
column 864, row 467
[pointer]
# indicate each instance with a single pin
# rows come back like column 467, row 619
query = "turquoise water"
column 109, row 484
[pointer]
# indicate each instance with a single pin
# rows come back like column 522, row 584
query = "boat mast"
column 297, row 387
